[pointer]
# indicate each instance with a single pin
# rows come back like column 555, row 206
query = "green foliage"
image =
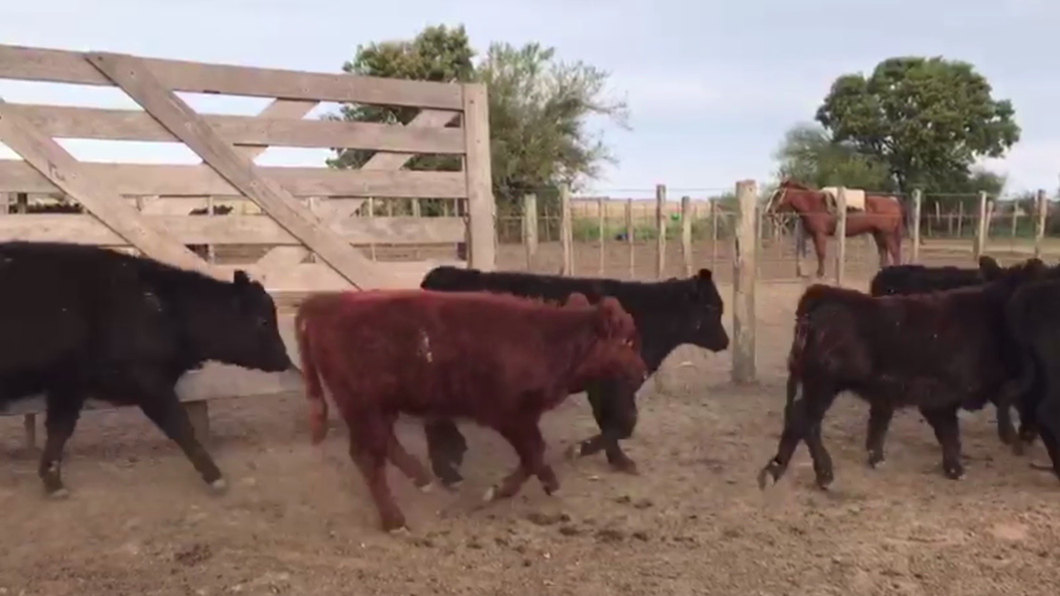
column 538, row 111
column 927, row 119
column 809, row 155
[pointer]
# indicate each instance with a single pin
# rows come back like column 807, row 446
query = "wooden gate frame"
column 227, row 145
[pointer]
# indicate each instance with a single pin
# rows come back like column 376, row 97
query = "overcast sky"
column 712, row 86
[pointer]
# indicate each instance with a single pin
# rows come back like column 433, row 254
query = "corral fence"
column 742, row 244
column 294, row 229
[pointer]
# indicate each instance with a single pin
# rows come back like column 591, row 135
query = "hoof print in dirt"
column 610, row 535
column 546, row 519
column 569, row 530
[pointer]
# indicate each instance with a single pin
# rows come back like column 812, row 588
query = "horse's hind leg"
column 882, row 247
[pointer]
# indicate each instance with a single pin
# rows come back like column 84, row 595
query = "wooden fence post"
column 981, row 228
column 660, row 229
column 918, row 203
column 743, row 284
column 841, row 235
column 566, row 234
column 601, row 207
column 1039, row 226
column 530, row 229
column 713, row 234
column 629, row 238
column 686, row 233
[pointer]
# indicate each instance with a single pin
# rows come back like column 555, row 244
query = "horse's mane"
column 796, row 185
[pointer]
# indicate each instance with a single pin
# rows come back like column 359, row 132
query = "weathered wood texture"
column 453, row 120
column 743, row 285
column 307, row 215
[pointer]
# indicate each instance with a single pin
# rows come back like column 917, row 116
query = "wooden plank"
column 630, row 245
column 918, row 203
column 660, row 230
column 202, row 180
column 743, row 285
column 220, row 230
column 565, row 232
column 60, row 66
column 381, row 161
column 481, row 207
column 136, row 80
column 131, row 125
column 530, row 229
column 213, row 381
column 1039, row 225
column 318, row 277
column 292, row 109
column 601, row 218
column 982, row 228
column 841, row 235
column 686, row 233
column 425, row 119
column 66, row 174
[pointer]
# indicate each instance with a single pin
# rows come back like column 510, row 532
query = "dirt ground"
column 298, row 520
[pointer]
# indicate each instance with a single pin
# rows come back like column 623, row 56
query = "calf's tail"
column 799, row 343
column 314, row 390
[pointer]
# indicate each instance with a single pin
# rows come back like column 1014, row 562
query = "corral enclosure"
column 299, row 520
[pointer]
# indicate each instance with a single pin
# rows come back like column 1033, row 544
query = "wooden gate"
column 227, row 145
column 305, row 213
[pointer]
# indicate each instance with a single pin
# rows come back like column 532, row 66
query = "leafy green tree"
column 539, row 108
column 436, row 54
column 927, row 119
column 538, row 112
column 808, row 154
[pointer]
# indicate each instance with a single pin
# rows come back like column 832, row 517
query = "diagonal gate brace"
column 134, row 77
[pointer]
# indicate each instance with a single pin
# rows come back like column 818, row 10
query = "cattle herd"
column 501, row 348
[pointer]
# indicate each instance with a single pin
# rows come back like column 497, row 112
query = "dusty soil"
column 298, row 519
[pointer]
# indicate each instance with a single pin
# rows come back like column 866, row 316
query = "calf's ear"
column 241, row 278
column 989, row 267
column 576, row 300
column 612, row 319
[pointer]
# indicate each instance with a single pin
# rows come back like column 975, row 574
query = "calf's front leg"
column 158, row 401
column 64, row 409
column 947, row 430
column 525, row 437
column 615, row 424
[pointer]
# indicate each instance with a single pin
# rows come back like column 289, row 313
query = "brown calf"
column 496, row 359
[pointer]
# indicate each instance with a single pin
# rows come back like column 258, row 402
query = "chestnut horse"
column 883, row 217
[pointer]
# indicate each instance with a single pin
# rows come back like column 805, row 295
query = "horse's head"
column 781, row 199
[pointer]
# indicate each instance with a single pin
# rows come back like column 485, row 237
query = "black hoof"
column 769, row 475
column 825, row 479
column 953, row 472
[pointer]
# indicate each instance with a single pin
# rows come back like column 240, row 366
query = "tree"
column 538, row 110
column 809, row 155
column 436, row 54
column 927, row 119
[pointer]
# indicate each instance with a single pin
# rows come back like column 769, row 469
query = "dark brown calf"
column 499, row 360
column 939, row 351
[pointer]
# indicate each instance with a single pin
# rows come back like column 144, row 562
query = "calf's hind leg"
column 802, row 421
column 880, row 416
